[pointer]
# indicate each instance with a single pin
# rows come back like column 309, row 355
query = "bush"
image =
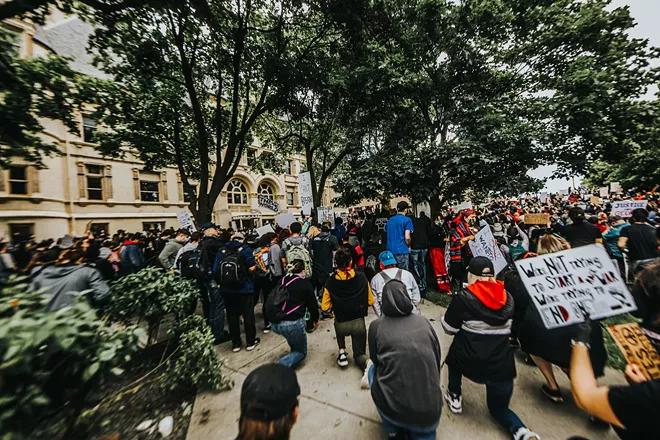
column 52, row 359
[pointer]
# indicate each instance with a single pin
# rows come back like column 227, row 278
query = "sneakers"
column 342, row 360
column 553, row 395
column 364, row 383
column 236, row 348
column 525, row 434
column 267, row 329
column 254, row 344
column 454, row 401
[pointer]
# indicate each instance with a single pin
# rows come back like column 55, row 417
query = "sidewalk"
column 333, row 406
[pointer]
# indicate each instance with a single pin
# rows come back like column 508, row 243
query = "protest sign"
column 465, row 205
column 543, row 197
column 448, row 259
column 537, row 219
column 624, row 208
column 264, row 230
column 326, row 213
column 268, row 202
column 380, row 223
column 616, row 188
column 186, row 220
column 305, row 193
column 567, row 285
column 636, row 348
column 485, row 245
column 284, row 220
column 595, row 200
column 604, row 191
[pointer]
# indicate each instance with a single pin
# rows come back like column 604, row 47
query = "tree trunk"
column 436, row 206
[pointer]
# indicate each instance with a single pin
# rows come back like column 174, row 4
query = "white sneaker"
column 454, row 401
column 364, row 383
column 342, row 360
column 525, row 434
column 252, row 347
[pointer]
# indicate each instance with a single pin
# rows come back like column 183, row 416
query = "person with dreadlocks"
column 460, row 236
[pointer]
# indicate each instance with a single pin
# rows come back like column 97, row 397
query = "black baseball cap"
column 482, row 267
column 269, row 393
column 402, row 205
column 209, row 225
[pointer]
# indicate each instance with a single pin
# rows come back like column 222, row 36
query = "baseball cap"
column 387, row 258
column 269, row 393
column 402, row 205
column 209, row 225
column 482, row 267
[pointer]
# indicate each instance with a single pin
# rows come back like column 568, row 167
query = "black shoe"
column 254, row 344
column 553, row 395
column 225, row 337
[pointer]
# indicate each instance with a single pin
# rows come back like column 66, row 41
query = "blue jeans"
column 498, row 397
column 392, row 427
column 419, row 262
column 216, row 309
column 402, row 261
column 294, row 333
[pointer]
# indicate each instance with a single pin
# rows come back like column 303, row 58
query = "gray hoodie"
column 65, row 281
column 168, row 255
column 406, row 353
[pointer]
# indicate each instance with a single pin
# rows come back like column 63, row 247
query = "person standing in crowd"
column 234, row 266
column 399, row 229
column 419, row 245
column 213, row 302
column 263, row 278
column 300, row 300
column 368, row 229
column 480, row 319
column 339, row 230
column 641, row 241
column 388, row 273
column 580, row 232
column 517, row 243
column 323, row 247
column 269, row 403
column 611, row 239
column 168, row 255
column 131, row 256
column 553, row 347
column 348, row 295
column 372, row 251
column 191, row 245
column 460, row 236
column 437, row 244
column 296, row 247
column 646, row 292
column 401, row 343
column 632, row 410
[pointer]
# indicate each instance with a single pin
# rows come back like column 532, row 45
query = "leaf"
column 117, row 371
column 90, row 371
column 106, row 355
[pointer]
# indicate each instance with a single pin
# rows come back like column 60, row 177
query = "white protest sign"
column 326, row 213
column 604, row 191
column 186, row 220
column 305, row 193
column 624, row 208
column 615, row 187
column 485, row 245
column 284, row 220
column 566, row 285
column 448, row 259
column 264, row 230
column 465, row 205
column 268, row 202
column 543, row 197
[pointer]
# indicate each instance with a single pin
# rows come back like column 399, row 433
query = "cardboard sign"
column 595, row 200
column 485, row 245
column 284, row 220
column 543, row 197
column 636, row 348
column 268, row 203
column 567, row 285
column 604, row 191
column 326, row 213
column 537, row 219
column 264, row 230
column 186, row 220
column 624, row 208
column 380, row 223
column 616, row 188
column 305, row 193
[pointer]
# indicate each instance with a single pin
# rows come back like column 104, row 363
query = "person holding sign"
column 480, row 317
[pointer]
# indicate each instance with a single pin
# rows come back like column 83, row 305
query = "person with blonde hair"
column 551, row 243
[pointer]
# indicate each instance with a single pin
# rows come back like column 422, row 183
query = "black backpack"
column 276, row 305
column 230, row 268
column 194, row 265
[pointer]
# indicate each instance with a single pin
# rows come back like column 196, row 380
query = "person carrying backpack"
column 233, row 269
column 372, row 250
column 296, row 247
column 286, row 307
column 184, row 254
column 268, row 273
column 323, row 246
column 392, row 272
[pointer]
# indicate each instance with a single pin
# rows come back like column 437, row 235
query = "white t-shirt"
column 379, row 281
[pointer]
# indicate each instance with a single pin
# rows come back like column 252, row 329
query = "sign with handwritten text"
column 268, row 202
column 637, row 348
column 485, row 245
column 305, row 192
column 624, row 208
column 567, row 285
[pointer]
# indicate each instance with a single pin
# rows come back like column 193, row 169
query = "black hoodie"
column 406, row 353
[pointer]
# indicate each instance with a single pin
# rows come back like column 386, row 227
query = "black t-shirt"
column 637, row 407
column 419, row 238
column 642, row 242
column 582, row 234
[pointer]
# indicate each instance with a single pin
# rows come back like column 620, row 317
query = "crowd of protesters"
column 341, row 269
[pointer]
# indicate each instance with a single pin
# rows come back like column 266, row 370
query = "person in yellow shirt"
column 348, row 294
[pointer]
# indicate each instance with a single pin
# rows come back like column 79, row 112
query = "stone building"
column 80, row 189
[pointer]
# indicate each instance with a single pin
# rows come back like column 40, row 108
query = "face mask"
column 186, row 240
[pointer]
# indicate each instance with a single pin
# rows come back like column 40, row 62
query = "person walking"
column 404, row 367
column 301, row 299
column 348, row 295
column 480, row 317
column 399, row 229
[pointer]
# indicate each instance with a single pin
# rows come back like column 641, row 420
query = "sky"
column 646, row 14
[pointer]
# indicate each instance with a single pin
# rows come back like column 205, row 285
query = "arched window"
column 265, row 189
column 237, row 193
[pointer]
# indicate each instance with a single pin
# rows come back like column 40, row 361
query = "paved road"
column 334, row 407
